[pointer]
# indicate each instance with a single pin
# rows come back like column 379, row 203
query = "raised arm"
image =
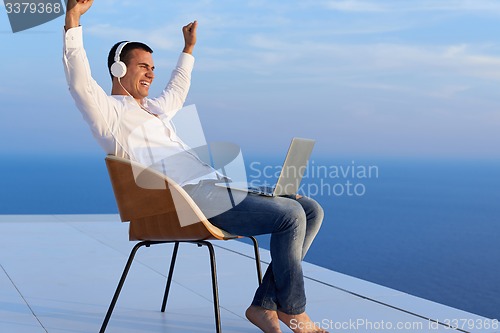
column 189, row 32
column 94, row 104
column 75, row 9
column 175, row 93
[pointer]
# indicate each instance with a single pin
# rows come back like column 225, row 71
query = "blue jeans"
column 293, row 224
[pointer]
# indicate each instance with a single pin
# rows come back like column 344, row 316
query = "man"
column 128, row 121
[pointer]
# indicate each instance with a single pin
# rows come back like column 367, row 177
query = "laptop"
column 291, row 173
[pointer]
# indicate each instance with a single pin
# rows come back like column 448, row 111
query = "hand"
column 75, row 9
column 189, row 32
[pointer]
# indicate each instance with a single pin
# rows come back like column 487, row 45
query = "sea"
column 429, row 227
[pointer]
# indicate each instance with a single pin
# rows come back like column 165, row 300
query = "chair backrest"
column 157, row 207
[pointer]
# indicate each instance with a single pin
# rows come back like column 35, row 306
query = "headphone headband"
column 118, row 68
column 119, row 50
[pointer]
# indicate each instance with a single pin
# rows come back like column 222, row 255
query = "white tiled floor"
column 58, row 274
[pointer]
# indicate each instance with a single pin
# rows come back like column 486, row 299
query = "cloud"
column 450, row 91
column 159, row 38
column 487, row 6
column 277, row 45
column 449, row 60
column 106, row 30
column 356, row 6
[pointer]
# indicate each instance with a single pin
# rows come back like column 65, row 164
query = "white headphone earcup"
column 118, row 69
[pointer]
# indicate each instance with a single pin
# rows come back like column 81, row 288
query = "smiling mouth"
column 145, row 84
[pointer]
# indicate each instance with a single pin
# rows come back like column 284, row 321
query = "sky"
column 412, row 78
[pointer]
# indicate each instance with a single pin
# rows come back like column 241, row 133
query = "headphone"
column 118, row 68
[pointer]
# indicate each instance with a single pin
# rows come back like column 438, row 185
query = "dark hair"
column 125, row 54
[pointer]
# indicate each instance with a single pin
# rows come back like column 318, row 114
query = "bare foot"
column 300, row 323
column 266, row 320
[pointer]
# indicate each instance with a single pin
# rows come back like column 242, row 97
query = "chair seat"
column 158, row 228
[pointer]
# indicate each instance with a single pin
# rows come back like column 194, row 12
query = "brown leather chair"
column 160, row 211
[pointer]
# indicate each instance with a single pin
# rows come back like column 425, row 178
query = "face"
column 140, row 74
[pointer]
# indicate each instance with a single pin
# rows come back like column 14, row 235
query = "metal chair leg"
column 170, row 274
column 215, row 288
column 120, row 284
column 257, row 258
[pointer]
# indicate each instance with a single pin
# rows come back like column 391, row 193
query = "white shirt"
column 123, row 129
